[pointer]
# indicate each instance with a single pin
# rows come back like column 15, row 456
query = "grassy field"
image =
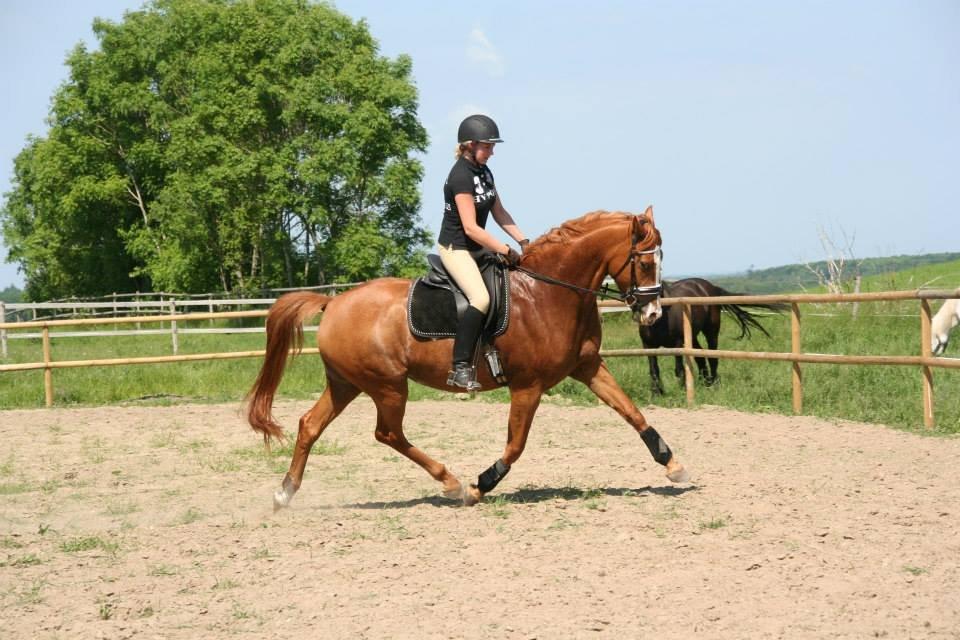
column 882, row 394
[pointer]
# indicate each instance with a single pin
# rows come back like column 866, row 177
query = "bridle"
column 635, row 294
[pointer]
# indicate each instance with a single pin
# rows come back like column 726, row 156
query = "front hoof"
column 471, row 496
column 676, row 472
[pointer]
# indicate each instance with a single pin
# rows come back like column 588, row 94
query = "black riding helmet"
column 478, row 128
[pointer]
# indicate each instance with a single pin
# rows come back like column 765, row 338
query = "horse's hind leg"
column 656, row 386
column 391, row 404
column 594, row 374
column 702, row 364
column 335, row 398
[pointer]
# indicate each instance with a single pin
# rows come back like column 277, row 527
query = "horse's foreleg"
column 391, row 405
column 523, row 406
column 335, row 398
column 598, row 378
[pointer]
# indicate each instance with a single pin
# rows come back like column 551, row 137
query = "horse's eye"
column 646, row 266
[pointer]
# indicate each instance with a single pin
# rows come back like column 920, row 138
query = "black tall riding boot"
column 463, row 374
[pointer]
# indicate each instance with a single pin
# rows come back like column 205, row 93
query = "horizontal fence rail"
column 926, row 361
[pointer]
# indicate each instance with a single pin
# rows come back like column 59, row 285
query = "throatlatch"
column 492, row 476
column 658, row 448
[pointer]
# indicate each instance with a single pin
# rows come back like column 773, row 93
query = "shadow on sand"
column 534, row 495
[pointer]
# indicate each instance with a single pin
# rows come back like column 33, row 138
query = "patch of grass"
column 146, row 612
column 162, row 570
column 393, row 527
column 498, row 507
column 50, row 486
column 189, row 516
column 30, row 594
column 262, row 553
column 93, row 450
column 7, row 542
column 561, row 523
column 23, row 561
column 592, row 499
column 914, row 571
column 107, row 610
column 6, row 469
column 223, row 585
column 713, row 523
column 163, row 439
column 89, row 543
column 10, row 489
column 122, row 508
column 239, row 613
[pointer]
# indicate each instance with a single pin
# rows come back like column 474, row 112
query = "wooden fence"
column 925, row 360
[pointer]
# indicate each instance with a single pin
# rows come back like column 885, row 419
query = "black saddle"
column 435, row 303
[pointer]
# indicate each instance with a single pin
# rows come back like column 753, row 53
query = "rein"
column 629, row 298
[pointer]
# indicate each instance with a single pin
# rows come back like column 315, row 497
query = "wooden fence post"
column 136, row 308
column 3, row 332
column 926, row 352
column 688, row 360
column 173, row 327
column 47, row 370
column 795, row 350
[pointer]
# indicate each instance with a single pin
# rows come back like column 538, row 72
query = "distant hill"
column 892, row 273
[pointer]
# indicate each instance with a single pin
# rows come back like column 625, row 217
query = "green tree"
column 11, row 294
column 221, row 144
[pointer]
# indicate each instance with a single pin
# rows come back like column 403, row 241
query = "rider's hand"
column 511, row 258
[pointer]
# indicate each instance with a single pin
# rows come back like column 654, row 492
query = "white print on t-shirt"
column 478, row 187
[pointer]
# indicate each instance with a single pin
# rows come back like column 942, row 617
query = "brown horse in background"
column 667, row 331
column 554, row 332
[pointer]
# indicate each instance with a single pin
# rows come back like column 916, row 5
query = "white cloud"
column 482, row 52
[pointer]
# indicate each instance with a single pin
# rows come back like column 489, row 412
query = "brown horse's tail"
column 284, row 331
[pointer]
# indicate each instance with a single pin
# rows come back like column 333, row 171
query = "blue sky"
column 755, row 129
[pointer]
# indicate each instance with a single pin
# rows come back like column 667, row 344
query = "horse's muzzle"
column 649, row 313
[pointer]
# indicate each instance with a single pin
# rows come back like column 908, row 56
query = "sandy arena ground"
column 157, row 522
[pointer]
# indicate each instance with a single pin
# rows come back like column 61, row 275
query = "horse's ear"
column 649, row 214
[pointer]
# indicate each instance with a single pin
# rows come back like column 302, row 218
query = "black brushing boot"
column 463, row 374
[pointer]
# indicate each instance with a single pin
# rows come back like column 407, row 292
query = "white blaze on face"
column 650, row 312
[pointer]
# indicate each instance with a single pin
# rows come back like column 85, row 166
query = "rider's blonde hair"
column 461, row 148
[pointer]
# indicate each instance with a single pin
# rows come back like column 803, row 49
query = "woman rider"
column 469, row 197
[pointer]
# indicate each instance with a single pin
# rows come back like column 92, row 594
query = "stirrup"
column 463, row 376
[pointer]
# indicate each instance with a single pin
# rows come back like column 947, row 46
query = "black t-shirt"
column 466, row 177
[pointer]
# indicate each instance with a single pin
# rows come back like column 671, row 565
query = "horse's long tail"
column 744, row 318
column 747, row 320
column 284, row 331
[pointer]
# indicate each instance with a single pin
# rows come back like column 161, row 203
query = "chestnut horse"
column 554, row 332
